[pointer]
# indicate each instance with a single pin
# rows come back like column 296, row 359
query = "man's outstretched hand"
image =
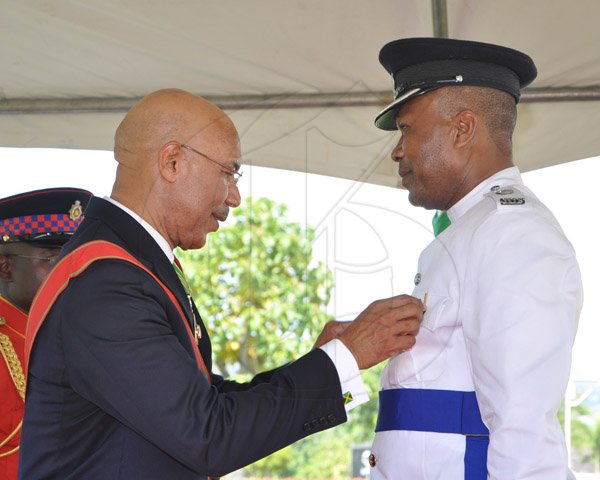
column 383, row 329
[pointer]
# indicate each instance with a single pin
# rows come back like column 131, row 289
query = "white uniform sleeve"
column 353, row 387
column 528, row 296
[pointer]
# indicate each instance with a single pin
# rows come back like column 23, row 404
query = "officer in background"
column 33, row 227
column 477, row 396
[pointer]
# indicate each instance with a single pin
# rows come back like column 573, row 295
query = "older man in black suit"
column 120, row 382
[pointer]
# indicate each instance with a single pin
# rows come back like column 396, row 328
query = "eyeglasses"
column 235, row 175
column 51, row 258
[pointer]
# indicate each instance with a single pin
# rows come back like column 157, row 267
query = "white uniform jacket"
column 503, row 295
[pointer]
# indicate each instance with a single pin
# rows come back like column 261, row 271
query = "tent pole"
column 439, row 12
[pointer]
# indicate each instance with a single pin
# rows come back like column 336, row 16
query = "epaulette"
column 509, row 196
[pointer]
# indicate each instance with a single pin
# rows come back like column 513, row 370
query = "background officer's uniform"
column 47, row 219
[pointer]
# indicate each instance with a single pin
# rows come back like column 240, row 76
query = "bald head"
column 160, row 117
column 156, row 174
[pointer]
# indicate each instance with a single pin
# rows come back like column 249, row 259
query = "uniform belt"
column 442, row 411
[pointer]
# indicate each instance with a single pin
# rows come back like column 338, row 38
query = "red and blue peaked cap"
column 47, row 217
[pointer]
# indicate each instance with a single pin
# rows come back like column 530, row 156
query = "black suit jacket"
column 114, row 391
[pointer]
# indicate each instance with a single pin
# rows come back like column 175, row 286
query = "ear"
column 170, row 162
column 465, row 126
column 5, row 269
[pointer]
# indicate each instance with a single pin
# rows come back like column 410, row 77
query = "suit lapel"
column 135, row 239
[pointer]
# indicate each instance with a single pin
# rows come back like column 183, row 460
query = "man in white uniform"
column 477, row 396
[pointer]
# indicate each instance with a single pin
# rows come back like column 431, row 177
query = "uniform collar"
column 508, row 176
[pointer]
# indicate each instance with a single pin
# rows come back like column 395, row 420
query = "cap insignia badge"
column 76, row 211
column 501, row 191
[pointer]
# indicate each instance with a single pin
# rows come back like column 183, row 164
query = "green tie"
column 186, row 286
column 181, row 275
column 440, row 222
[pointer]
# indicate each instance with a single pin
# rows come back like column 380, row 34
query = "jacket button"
column 372, row 460
column 331, row 417
column 306, row 427
column 314, row 423
column 323, row 421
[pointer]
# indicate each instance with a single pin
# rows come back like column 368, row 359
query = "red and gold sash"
column 73, row 265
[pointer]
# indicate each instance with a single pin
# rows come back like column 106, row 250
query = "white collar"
column 508, row 176
column 158, row 238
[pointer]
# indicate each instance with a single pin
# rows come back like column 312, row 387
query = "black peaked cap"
column 419, row 65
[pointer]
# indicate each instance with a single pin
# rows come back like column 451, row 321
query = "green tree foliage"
column 263, row 299
column 258, row 290
column 585, row 434
column 588, row 442
column 578, row 411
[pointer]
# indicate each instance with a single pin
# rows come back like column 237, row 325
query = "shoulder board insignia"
column 512, row 201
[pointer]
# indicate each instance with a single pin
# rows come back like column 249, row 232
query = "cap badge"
column 76, row 211
column 5, row 238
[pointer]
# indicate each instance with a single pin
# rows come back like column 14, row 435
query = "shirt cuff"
column 354, row 391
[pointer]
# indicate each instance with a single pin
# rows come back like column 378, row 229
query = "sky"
column 370, row 236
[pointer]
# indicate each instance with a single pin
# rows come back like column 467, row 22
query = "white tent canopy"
column 300, row 78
